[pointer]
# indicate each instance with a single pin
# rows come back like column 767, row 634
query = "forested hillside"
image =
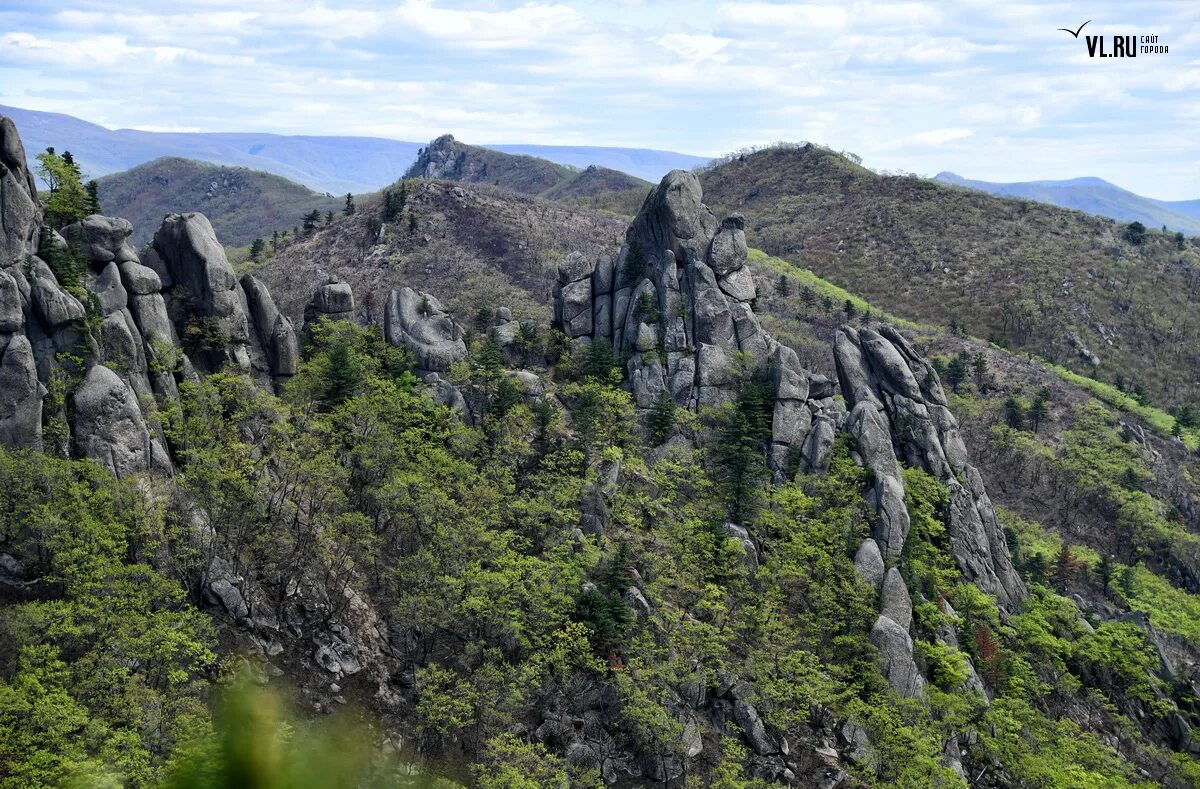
column 470, row 488
column 1111, row 301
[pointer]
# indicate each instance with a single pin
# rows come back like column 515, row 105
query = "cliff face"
column 676, row 305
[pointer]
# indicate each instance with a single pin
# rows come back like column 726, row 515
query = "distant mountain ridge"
column 242, row 204
column 448, row 159
column 336, row 164
column 1095, row 196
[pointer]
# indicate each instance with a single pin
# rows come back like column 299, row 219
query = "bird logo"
column 1075, row 33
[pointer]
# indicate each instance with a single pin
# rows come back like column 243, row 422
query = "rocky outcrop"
column 220, row 319
column 275, row 350
column 20, row 213
column 899, row 413
column 676, row 306
column 418, row 322
column 108, row 424
column 20, row 397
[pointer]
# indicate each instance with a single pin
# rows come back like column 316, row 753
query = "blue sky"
column 990, row 90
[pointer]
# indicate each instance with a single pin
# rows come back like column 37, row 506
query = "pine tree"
column 349, row 209
column 661, row 421
column 329, row 218
column 274, row 240
column 340, row 376
column 506, row 397
column 93, row 192
column 634, row 270
column 257, row 247
column 1014, row 415
column 783, row 287
column 1104, row 571
column 848, row 308
column 1039, row 410
column 956, row 371
column 310, row 221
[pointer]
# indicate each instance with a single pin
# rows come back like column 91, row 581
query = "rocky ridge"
column 676, row 304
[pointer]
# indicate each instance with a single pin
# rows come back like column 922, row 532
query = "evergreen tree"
column 956, row 371
column 329, row 218
column 634, row 270
column 93, row 192
column 257, row 247
column 1104, row 572
column 739, row 457
column 849, row 309
column 349, row 209
column 600, row 362
column 1039, row 410
column 489, row 360
column 807, row 295
column 783, row 287
column 341, row 375
column 506, row 397
column 979, row 370
column 274, row 240
column 1014, row 415
column 310, row 221
column 661, row 421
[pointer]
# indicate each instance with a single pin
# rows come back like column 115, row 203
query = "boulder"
column 869, row 563
column 271, row 332
column 20, row 397
column 417, row 321
column 109, row 292
column 108, row 425
column 202, row 281
column 12, row 313
column 102, row 239
column 895, row 602
column 729, row 248
column 54, row 304
column 20, row 211
column 896, row 658
column 138, row 279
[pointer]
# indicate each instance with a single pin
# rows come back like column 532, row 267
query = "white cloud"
column 977, row 87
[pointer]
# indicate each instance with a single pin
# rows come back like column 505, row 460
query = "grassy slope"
column 1019, row 273
column 242, row 204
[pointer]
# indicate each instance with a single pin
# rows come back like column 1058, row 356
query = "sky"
column 990, row 90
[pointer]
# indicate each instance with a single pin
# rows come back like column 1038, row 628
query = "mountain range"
column 797, row 475
column 332, row 164
column 1095, row 196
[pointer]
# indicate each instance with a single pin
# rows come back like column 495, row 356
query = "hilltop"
column 1095, row 196
column 241, row 204
column 448, row 159
column 1074, row 288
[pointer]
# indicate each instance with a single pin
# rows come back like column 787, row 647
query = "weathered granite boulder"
column 20, row 212
column 417, row 321
column 20, row 397
column 896, row 657
column 276, row 348
column 203, row 284
column 108, row 424
column 869, row 563
column 102, row 239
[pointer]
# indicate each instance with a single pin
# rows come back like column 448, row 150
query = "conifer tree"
column 662, row 417
column 349, row 209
